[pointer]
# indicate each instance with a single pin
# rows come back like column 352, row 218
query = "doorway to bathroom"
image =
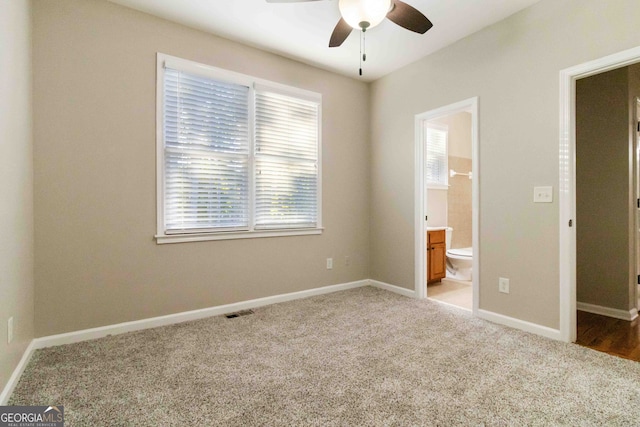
column 447, row 205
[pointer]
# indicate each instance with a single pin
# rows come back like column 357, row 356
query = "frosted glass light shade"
column 357, row 11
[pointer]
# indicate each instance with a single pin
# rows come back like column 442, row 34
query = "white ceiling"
column 301, row 30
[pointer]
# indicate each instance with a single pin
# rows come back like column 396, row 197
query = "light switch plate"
column 503, row 285
column 542, row 194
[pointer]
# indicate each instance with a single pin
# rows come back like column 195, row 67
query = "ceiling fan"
column 366, row 14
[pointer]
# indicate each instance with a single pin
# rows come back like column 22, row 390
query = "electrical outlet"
column 503, row 285
column 329, row 263
column 347, row 261
column 9, row 330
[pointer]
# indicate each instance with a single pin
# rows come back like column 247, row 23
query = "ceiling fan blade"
column 290, row 1
column 408, row 17
column 340, row 33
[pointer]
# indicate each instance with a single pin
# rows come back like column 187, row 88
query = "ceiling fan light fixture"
column 364, row 14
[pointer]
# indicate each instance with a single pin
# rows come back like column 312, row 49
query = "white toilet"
column 459, row 261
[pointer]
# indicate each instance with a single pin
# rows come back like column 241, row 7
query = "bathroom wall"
column 454, row 204
column 436, row 207
column 459, row 195
column 459, row 199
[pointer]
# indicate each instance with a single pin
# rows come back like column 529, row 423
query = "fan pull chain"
column 364, row 44
column 361, row 53
column 363, row 47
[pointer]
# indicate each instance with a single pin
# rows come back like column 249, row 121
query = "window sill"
column 437, row 186
column 231, row 235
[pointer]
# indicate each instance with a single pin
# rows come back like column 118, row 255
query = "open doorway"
column 591, row 287
column 606, row 209
column 447, row 204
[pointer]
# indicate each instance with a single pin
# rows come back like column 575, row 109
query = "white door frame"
column 636, row 212
column 567, row 184
column 420, row 197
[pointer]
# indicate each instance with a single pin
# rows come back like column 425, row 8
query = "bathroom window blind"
column 286, row 160
column 206, row 153
column 437, row 160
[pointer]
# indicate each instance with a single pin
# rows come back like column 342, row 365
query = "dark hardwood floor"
column 614, row 336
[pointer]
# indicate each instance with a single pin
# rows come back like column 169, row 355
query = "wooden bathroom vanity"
column 436, row 255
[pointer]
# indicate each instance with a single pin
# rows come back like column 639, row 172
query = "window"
column 237, row 156
column 437, row 156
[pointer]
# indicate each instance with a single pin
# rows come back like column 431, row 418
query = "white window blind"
column 286, row 161
column 437, row 160
column 206, row 153
column 238, row 157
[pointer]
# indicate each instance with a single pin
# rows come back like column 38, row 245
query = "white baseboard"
column 520, row 324
column 393, row 288
column 451, row 305
column 17, row 373
column 483, row 314
column 608, row 311
column 120, row 328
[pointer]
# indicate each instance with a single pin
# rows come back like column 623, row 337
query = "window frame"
column 443, row 128
column 162, row 236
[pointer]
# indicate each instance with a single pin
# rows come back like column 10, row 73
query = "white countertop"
column 437, row 228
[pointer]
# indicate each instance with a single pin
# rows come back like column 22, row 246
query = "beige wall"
column 459, row 206
column 602, row 189
column 513, row 67
column 436, row 207
column 16, row 185
column 97, row 261
column 459, row 126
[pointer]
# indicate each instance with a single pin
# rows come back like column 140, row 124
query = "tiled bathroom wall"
column 459, row 203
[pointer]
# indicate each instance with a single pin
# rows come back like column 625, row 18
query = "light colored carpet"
column 362, row 357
